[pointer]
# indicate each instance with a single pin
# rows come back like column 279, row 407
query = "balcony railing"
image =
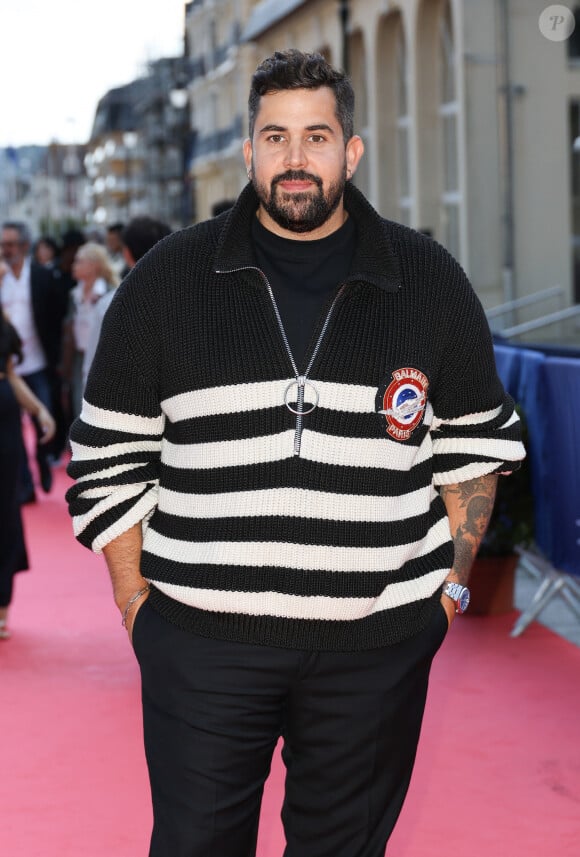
column 217, row 141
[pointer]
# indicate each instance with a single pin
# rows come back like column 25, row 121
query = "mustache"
column 296, row 176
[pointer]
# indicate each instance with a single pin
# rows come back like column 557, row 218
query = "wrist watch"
column 459, row 594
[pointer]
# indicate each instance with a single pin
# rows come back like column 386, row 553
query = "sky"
column 59, row 57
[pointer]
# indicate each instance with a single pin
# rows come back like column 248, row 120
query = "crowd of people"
column 53, row 297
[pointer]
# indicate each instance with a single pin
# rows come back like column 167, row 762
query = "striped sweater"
column 293, row 506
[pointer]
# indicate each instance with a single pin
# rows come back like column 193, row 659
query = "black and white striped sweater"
column 296, row 513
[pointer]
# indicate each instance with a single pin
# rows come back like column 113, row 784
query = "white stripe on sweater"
column 327, row 449
column 138, row 514
column 295, row 502
column 114, row 450
column 111, row 472
column 501, row 450
column 298, row 556
column 117, row 421
column 382, row 453
column 228, row 453
column 469, row 419
column 305, row 607
column 114, row 498
column 464, row 474
column 236, row 398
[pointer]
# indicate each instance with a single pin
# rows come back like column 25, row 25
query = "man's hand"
column 449, row 608
column 123, row 557
column 132, row 614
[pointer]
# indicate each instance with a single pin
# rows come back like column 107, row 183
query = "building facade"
column 44, row 187
column 220, row 66
column 140, row 146
column 469, row 115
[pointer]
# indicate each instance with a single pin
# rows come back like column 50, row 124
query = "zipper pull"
column 300, row 385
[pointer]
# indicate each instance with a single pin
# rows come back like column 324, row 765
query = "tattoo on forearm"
column 463, row 558
column 469, row 506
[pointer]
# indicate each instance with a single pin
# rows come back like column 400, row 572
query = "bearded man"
column 289, row 409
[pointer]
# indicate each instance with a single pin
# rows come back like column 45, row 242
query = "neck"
column 17, row 267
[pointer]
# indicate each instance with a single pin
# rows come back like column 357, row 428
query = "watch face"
column 464, row 600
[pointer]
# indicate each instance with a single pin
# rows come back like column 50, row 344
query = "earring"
column 249, row 175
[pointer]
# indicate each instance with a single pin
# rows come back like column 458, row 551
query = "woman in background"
column 95, row 275
column 46, row 251
column 14, row 394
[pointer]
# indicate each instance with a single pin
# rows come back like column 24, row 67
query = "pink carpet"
column 499, row 763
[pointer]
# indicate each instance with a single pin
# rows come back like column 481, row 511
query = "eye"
column 316, row 138
column 275, row 138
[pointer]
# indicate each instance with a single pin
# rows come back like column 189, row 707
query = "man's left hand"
column 449, row 608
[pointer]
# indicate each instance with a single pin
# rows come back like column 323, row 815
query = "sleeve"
column 475, row 428
column 116, row 441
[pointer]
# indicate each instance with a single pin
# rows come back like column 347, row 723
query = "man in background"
column 114, row 244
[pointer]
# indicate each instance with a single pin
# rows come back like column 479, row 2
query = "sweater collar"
column 375, row 260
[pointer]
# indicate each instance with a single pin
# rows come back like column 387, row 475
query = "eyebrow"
column 319, row 127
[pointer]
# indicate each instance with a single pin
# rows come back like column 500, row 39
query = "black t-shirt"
column 305, row 276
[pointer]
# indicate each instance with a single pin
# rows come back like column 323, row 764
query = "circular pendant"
column 301, row 385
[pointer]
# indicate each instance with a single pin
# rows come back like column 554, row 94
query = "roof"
column 266, row 14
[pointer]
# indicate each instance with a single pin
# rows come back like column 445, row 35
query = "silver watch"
column 459, row 595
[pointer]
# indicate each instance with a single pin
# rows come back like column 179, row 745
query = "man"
column 114, row 244
column 34, row 301
column 290, row 407
column 71, row 241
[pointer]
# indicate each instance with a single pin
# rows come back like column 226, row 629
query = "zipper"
column 301, row 381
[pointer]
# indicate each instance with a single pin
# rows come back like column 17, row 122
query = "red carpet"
column 499, row 764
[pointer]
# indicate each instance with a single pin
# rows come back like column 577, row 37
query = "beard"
column 300, row 212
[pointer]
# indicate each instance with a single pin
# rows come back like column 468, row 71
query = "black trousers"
column 214, row 710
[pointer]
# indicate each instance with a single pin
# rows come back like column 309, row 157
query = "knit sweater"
column 293, row 506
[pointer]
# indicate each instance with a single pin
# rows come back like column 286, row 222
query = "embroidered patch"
column 403, row 402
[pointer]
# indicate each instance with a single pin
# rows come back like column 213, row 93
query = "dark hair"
column 10, row 342
column 141, row 234
column 19, row 226
column 73, row 238
column 117, row 228
column 294, row 69
column 50, row 242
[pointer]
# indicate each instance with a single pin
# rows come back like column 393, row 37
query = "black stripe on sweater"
column 298, row 472
column 291, row 581
column 295, row 530
column 107, row 519
column 373, row 632
column 234, row 426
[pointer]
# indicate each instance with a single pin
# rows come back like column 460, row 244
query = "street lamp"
column 179, row 98
column 130, row 139
column 344, row 15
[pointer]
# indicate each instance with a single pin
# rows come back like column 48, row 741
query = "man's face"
column 299, row 162
column 113, row 242
column 13, row 250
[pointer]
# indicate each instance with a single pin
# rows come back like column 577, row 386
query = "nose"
column 295, row 155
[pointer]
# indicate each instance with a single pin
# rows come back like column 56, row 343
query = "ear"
column 128, row 256
column 247, row 149
column 354, row 152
